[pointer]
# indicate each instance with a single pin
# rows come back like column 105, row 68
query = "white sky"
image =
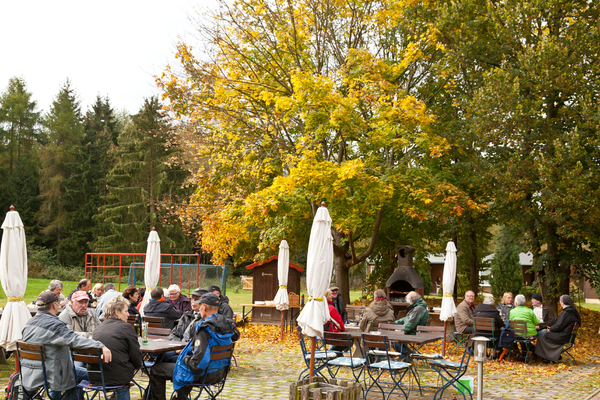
column 104, row 47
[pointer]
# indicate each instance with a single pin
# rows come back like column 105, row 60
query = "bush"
column 42, row 263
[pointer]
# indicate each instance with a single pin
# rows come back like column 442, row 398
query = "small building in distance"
column 266, row 285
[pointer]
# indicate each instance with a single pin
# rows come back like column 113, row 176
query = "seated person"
column 543, row 312
column 84, row 285
column 416, row 315
column 45, row 328
column 463, row 320
column 179, row 301
column 96, row 293
column 56, row 286
column 335, row 323
column 487, row 310
column 212, row 330
column 378, row 312
column 132, row 295
column 111, row 291
column 549, row 345
column 224, row 308
column 505, row 305
column 180, row 332
column 78, row 317
column 159, row 307
column 523, row 313
column 121, row 338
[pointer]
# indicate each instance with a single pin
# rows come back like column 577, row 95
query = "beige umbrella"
column 152, row 267
column 319, row 265
column 13, row 276
column 448, row 307
column 281, row 300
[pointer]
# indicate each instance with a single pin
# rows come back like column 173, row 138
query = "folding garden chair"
column 569, row 345
column 34, row 352
column 321, row 357
column 93, row 358
column 354, row 363
column 486, row 327
column 460, row 340
column 451, row 372
column 212, row 389
column 396, row 369
column 520, row 329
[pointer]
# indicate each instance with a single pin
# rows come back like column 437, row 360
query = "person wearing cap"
column 78, row 317
column 159, row 307
column 338, row 302
column 224, row 308
column 542, row 312
column 181, row 302
column 45, row 328
column 180, row 332
column 193, row 362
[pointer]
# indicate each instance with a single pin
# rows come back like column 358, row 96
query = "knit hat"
column 537, row 296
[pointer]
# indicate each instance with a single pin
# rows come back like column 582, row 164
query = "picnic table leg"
column 313, row 349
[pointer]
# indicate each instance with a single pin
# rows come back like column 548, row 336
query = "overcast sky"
column 104, row 47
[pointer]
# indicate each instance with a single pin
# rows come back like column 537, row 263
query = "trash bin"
column 465, row 384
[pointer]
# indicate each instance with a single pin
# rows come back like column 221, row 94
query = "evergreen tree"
column 86, row 185
column 139, row 183
column 506, row 275
column 19, row 159
column 65, row 129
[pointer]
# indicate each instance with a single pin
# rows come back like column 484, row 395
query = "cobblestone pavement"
column 267, row 372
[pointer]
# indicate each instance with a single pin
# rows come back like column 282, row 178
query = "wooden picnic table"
column 156, row 346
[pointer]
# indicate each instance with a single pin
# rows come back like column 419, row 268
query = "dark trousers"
column 160, row 373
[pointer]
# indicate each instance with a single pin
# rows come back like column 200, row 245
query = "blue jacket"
column 193, row 363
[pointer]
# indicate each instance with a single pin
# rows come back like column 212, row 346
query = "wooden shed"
column 266, row 284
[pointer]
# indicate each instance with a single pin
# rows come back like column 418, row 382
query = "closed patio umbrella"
column 151, row 267
column 281, row 300
column 319, row 264
column 13, row 276
column 448, row 307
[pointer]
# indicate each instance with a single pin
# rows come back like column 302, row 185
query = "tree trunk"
column 473, row 265
column 554, row 270
column 341, row 276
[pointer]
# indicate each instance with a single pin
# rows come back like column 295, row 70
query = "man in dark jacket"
column 121, row 338
column 180, row 332
column 224, row 308
column 159, row 307
column 488, row 310
column 542, row 312
column 338, row 302
column 213, row 330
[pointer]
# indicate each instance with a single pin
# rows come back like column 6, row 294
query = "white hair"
column 489, row 300
column 175, row 288
column 520, row 300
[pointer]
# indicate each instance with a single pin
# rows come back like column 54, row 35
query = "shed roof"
column 258, row 264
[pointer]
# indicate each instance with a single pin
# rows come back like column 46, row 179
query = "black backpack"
column 507, row 337
column 14, row 390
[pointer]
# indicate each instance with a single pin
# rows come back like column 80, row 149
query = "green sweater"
column 416, row 315
column 526, row 314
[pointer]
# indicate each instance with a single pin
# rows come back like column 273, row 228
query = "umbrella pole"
column 282, row 324
column 313, row 348
column 444, row 339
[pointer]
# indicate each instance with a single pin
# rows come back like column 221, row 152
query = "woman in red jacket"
column 335, row 323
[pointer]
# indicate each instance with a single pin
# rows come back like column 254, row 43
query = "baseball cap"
column 79, row 295
column 210, row 299
column 198, row 292
column 212, row 288
column 46, row 297
column 333, row 286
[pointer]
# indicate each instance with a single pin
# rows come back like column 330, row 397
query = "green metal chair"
column 569, row 346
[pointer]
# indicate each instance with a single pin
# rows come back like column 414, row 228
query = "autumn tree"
column 506, row 272
column 141, row 179
column 299, row 102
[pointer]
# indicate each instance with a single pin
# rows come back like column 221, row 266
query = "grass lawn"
column 35, row 287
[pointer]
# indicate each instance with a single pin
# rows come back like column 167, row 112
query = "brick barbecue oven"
column 404, row 279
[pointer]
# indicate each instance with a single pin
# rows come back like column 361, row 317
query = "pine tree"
column 506, row 274
column 65, row 129
column 140, row 181
column 87, row 183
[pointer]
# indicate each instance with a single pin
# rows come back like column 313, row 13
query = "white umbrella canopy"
column 283, row 266
column 152, row 267
column 13, row 276
column 448, row 306
column 319, row 264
